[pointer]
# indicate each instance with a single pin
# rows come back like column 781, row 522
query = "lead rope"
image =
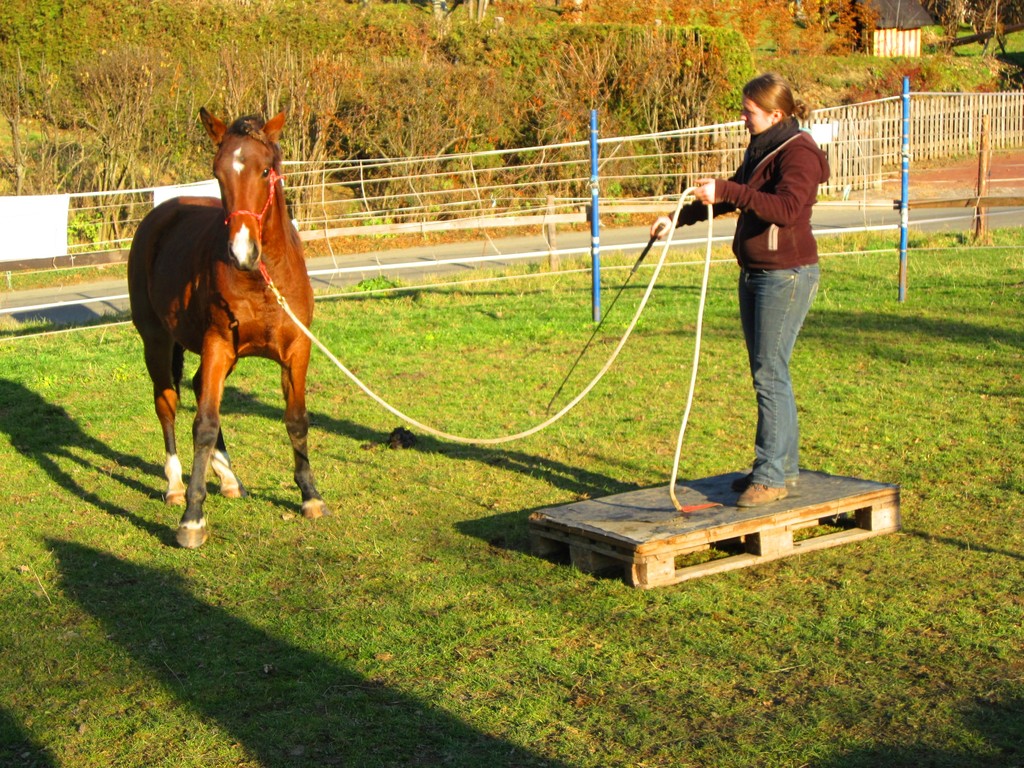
column 586, row 390
column 693, row 372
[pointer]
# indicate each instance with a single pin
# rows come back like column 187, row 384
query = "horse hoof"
column 175, row 498
column 236, row 491
column 314, row 509
column 192, row 538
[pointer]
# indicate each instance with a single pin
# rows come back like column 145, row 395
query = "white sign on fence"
column 36, row 226
column 823, row 133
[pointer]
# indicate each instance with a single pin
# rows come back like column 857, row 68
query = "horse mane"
column 252, row 126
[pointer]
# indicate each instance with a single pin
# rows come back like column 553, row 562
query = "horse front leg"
column 193, row 530
column 296, row 420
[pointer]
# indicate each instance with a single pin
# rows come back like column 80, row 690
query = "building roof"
column 900, row 14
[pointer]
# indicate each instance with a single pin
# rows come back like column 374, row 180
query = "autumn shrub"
column 885, row 81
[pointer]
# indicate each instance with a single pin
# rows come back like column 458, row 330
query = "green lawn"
column 415, row 628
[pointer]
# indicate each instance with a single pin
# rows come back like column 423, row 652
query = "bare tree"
column 12, row 100
column 988, row 18
column 119, row 93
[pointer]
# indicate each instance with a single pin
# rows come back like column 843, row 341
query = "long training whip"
column 636, row 266
column 584, row 392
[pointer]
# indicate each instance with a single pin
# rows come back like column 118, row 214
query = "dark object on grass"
column 401, row 437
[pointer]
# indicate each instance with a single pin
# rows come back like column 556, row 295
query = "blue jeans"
column 773, row 305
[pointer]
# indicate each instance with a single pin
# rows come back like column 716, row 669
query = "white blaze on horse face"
column 242, row 248
column 237, row 163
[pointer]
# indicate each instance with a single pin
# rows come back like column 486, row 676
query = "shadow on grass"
column 967, row 546
column 852, row 330
column 285, row 705
column 17, row 749
column 999, row 721
column 557, row 474
column 507, row 531
column 48, row 435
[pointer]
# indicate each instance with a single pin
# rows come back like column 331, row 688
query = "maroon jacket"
column 774, row 226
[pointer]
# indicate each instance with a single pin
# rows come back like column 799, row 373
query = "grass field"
column 415, row 628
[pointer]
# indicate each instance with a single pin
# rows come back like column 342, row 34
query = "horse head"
column 248, row 168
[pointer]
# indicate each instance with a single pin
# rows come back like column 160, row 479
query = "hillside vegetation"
column 103, row 94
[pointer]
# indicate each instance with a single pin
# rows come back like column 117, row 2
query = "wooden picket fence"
column 867, row 137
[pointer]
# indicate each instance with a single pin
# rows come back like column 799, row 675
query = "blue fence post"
column 595, row 222
column 904, row 190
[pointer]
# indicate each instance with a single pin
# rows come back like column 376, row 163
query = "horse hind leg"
column 230, row 486
column 164, row 361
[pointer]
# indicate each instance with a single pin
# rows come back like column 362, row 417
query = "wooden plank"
column 735, row 562
column 715, row 566
column 771, row 543
column 590, row 560
column 653, row 572
column 885, row 517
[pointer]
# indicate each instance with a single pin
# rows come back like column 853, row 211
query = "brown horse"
column 198, row 276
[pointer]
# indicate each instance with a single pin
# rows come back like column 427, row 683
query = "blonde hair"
column 771, row 91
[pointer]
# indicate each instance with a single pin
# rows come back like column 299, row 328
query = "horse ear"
column 214, row 127
column 272, row 128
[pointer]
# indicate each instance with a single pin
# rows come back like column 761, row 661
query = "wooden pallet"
column 642, row 533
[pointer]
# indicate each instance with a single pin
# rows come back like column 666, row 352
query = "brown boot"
column 741, row 484
column 757, row 494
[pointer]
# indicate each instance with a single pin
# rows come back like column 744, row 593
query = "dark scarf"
column 763, row 144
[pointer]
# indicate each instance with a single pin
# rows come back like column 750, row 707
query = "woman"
column 774, row 189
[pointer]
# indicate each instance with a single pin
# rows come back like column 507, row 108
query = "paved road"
column 86, row 303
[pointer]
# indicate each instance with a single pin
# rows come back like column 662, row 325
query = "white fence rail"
column 538, row 185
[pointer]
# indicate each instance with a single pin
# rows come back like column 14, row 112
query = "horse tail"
column 177, row 365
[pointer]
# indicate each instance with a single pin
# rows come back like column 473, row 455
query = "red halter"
column 273, row 177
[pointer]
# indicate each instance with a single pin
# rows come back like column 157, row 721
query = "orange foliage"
column 812, row 26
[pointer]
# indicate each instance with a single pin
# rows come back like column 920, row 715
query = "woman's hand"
column 704, row 191
column 661, row 227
